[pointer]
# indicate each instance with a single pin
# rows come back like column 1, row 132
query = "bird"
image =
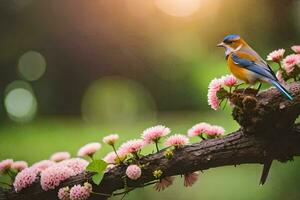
column 247, row 65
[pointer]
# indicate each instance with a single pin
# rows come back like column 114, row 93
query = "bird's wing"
column 251, row 63
column 248, row 50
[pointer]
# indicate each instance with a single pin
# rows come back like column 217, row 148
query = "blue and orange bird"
column 245, row 64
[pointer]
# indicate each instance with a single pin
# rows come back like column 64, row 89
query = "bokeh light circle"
column 179, row 8
column 32, row 65
column 117, row 100
column 20, row 102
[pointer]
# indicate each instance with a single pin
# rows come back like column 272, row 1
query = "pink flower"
column 215, row 131
column 154, row 133
column 79, row 192
column 24, row 179
column 132, row 146
column 279, row 76
column 164, row 183
column 60, row 156
column 190, row 179
column 89, row 149
column 110, row 157
column 19, row 165
column 5, row 164
column 133, row 172
column 42, row 165
column 229, row 80
column 198, row 129
column 214, row 86
column 78, row 165
column 64, row 193
column 177, row 140
column 111, row 139
column 290, row 62
column 296, row 48
column 54, row 175
column 276, row 56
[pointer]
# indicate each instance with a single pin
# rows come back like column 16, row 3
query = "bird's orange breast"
column 237, row 71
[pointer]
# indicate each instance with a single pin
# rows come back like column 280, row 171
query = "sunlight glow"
column 179, row 8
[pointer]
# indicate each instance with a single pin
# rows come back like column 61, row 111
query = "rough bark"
column 267, row 131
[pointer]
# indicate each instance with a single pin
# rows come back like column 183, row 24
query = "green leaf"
column 97, row 178
column 97, row 166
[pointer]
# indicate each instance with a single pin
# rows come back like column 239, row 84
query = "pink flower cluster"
column 89, row 149
column 296, row 49
column 5, row 165
column 51, row 173
column 78, row 165
column 42, row 165
column 110, row 157
column 276, row 56
column 177, row 140
column 153, row 134
column 133, row 172
column 52, row 176
column 205, row 128
column 289, row 67
column 229, row 80
column 24, row 179
column 64, row 193
column 132, row 146
column 19, row 165
column 27, row 176
column 213, row 100
column 111, row 139
column 291, row 62
column 199, row 129
column 60, row 156
column 215, row 86
column 79, row 192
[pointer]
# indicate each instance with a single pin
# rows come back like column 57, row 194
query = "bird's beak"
column 221, row 44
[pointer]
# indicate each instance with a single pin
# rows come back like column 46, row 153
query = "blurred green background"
column 73, row 71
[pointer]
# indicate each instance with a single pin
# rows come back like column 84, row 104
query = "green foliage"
column 97, row 166
column 97, row 178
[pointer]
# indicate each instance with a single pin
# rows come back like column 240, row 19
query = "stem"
column 156, row 145
column 280, row 66
column 224, row 106
column 203, row 138
column 113, row 146
column 91, row 157
column 9, row 174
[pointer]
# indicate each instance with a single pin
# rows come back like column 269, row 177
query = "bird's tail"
column 265, row 172
column 282, row 89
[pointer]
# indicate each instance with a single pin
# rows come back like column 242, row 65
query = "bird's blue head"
column 232, row 43
column 231, row 38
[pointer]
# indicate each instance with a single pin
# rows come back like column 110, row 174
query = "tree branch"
column 262, row 119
